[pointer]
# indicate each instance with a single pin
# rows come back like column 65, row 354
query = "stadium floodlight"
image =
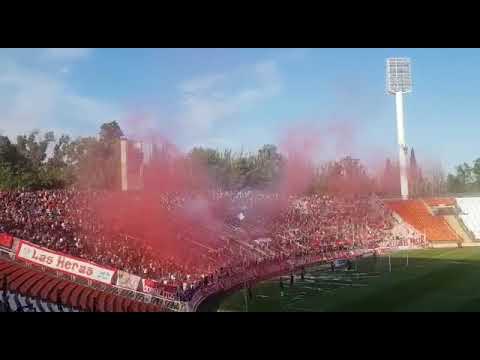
column 399, row 82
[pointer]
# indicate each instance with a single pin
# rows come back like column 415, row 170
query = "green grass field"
column 434, row 280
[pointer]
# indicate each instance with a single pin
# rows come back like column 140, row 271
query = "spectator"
column 271, row 230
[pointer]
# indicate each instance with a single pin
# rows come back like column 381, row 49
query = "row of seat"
column 50, row 289
column 440, row 201
column 415, row 212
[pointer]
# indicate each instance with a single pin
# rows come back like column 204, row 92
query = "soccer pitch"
column 433, row 280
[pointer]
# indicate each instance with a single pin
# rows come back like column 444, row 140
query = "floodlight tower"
column 399, row 82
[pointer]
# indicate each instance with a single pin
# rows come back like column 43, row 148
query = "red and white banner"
column 152, row 287
column 37, row 255
column 156, row 288
column 6, row 240
column 127, row 280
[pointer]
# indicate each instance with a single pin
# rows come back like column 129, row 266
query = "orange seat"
column 416, row 213
column 445, row 201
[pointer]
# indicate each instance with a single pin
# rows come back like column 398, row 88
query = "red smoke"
column 305, row 145
column 153, row 214
column 299, row 145
column 175, row 231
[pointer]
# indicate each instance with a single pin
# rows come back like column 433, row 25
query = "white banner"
column 127, row 280
column 57, row 261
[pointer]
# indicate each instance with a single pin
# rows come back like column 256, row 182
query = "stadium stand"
column 417, row 214
column 255, row 233
column 470, row 214
column 31, row 290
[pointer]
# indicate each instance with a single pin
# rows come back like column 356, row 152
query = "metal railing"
column 164, row 302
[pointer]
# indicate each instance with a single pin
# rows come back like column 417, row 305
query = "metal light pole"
column 399, row 82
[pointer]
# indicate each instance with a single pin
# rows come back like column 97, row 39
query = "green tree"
column 476, row 174
column 109, row 132
column 33, row 148
column 453, row 184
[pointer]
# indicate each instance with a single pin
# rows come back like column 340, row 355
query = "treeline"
column 36, row 162
column 421, row 182
column 465, row 179
column 46, row 161
column 269, row 169
column 231, row 171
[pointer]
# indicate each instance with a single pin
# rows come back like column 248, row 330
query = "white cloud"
column 215, row 97
column 66, row 53
column 35, row 99
column 33, row 95
column 201, row 83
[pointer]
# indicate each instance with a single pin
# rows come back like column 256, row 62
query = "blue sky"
column 243, row 98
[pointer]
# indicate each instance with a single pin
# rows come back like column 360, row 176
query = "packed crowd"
column 251, row 229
